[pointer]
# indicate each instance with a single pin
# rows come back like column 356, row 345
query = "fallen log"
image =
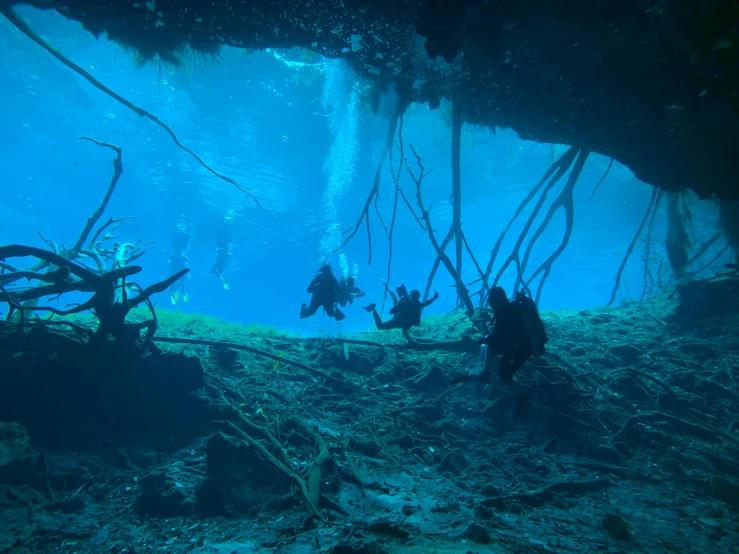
column 543, row 494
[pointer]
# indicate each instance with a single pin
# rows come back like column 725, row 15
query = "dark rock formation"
column 68, row 393
column 650, row 83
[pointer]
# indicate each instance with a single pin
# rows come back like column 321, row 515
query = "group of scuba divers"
column 517, row 330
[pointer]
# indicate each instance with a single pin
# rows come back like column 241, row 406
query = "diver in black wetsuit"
column 517, row 334
column 348, row 291
column 406, row 311
column 324, row 289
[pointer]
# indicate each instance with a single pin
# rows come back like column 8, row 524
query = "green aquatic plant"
column 202, row 324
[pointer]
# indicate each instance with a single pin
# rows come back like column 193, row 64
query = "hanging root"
column 437, row 262
column 608, row 170
column 648, row 278
column 723, row 251
column 566, row 201
column 630, row 249
column 24, row 28
column 704, row 248
column 374, row 192
column 456, row 197
column 553, row 175
column 461, row 289
column 398, row 191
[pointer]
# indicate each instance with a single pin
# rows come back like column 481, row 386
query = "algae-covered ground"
column 627, row 442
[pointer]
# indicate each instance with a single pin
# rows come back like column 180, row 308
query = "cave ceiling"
column 651, row 83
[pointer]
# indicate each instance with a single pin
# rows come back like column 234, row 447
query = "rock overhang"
column 651, row 84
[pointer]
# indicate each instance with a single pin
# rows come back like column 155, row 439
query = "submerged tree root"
column 656, row 194
column 694, row 430
column 267, row 456
column 311, row 486
column 251, row 349
column 544, row 494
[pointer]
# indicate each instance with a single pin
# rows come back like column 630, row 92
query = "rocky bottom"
column 627, row 442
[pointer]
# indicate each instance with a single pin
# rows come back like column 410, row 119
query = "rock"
column 454, row 462
column 483, row 512
column 162, row 496
column 677, row 471
column 550, row 444
column 365, row 366
column 602, row 453
column 245, row 481
column 69, row 506
column 404, row 441
column 630, row 388
column 605, row 363
column 623, row 448
column 71, row 472
column 368, row 448
column 626, row 352
column 145, row 460
column 409, row 510
column 357, row 546
column 602, row 318
column 515, row 508
column 490, row 491
column 616, row 526
column 209, row 502
column 225, row 357
column 383, row 527
column 430, row 412
column 430, row 381
column 19, row 460
column 706, row 299
column 725, row 490
column 709, row 522
column 698, row 350
column 477, row 533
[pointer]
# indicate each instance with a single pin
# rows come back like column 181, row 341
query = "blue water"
column 304, row 140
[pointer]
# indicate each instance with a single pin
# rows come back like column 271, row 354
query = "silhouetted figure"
column 324, row 289
column 224, row 249
column 518, row 332
column 348, row 291
column 406, row 311
column 178, row 261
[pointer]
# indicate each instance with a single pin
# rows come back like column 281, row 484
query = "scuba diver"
column 324, row 289
column 178, row 261
column 518, row 333
column 223, row 249
column 348, row 291
column 406, row 311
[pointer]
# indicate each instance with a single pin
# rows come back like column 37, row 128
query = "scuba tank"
column 532, row 322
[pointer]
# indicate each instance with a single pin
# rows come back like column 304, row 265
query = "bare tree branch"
column 24, row 28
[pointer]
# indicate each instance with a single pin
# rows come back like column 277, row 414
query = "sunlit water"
column 300, row 133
